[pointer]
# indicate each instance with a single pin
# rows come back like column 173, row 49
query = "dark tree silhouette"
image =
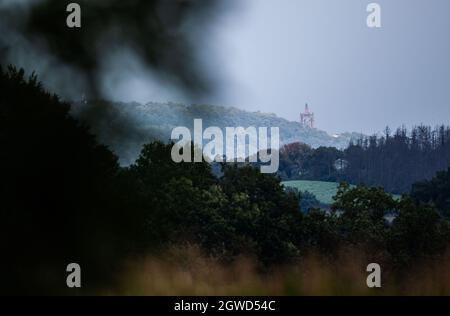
column 55, row 190
column 435, row 191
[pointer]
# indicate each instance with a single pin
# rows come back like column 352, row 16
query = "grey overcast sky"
column 279, row 54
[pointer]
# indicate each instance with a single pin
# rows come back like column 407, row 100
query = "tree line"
column 393, row 161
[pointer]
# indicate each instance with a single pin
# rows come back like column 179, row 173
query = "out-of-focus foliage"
column 162, row 34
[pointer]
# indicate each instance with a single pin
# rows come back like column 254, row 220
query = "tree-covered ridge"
column 155, row 121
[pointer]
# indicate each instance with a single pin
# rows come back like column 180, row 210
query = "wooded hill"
column 125, row 127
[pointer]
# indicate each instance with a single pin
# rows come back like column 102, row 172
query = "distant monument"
column 307, row 117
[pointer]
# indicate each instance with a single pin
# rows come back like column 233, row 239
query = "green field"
column 324, row 191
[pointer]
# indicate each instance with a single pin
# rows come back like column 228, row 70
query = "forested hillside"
column 127, row 126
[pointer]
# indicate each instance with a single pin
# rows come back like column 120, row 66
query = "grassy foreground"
column 187, row 272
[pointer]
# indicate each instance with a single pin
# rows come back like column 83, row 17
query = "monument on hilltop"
column 307, row 117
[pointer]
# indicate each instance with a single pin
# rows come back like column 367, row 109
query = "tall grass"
column 187, row 272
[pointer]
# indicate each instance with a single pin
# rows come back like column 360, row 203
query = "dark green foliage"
column 320, row 164
column 292, row 159
column 262, row 212
column 306, row 199
column 417, row 233
column 320, row 232
column 242, row 212
column 436, row 191
column 363, row 210
column 301, row 162
column 179, row 201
